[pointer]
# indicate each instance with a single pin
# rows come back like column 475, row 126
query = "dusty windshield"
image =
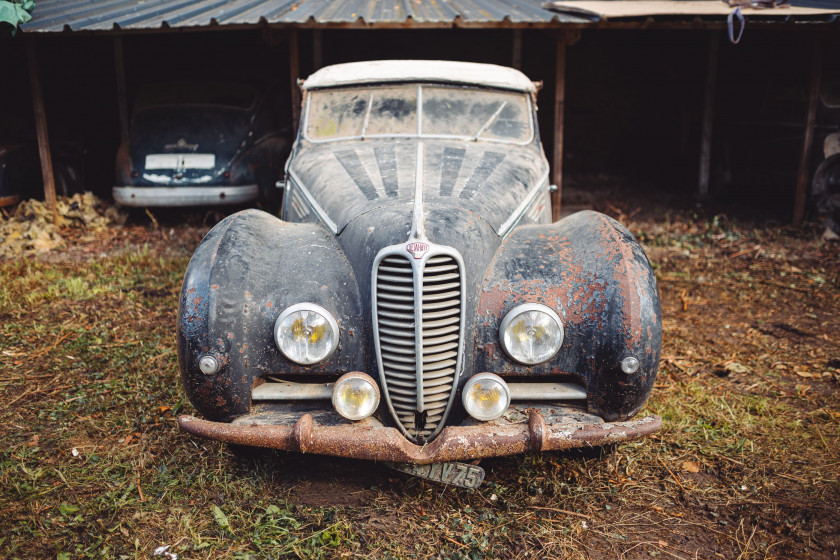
column 452, row 112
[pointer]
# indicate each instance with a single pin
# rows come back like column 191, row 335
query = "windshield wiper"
column 490, row 121
column 367, row 117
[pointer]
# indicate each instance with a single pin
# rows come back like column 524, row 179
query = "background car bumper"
column 185, row 196
column 538, row 429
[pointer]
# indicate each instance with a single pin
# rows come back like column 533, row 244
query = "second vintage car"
column 200, row 144
column 415, row 304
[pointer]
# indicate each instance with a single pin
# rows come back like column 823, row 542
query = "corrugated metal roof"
column 108, row 15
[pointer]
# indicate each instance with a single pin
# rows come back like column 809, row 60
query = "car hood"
column 204, row 130
column 488, row 180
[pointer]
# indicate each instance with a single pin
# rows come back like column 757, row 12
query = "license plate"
column 180, row 161
column 454, row 474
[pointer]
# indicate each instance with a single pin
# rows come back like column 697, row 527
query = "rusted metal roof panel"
column 757, row 9
column 109, row 15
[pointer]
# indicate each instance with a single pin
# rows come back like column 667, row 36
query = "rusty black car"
column 414, row 304
column 200, row 144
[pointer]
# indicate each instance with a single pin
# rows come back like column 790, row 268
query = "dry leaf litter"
column 30, row 230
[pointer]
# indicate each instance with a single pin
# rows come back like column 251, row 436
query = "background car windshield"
column 197, row 93
column 392, row 111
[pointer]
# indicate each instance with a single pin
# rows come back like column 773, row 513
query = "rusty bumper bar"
column 455, row 443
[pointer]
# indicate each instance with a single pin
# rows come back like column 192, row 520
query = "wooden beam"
column 41, row 130
column 708, row 115
column 805, row 157
column 317, row 49
column 516, row 51
column 559, row 114
column 294, row 74
column 122, row 99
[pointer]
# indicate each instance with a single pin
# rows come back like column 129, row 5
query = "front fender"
column 595, row 275
column 244, row 273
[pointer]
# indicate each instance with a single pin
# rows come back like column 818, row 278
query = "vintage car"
column 825, row 187
column 200, row 144
column 20, row 165
column 415, row 304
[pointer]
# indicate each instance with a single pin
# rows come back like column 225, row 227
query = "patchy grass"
column 92, row 464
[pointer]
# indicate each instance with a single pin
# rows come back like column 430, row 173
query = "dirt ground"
column 746, row 465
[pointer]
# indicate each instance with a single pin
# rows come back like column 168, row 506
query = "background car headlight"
column 531, row 333
column 306, row 333
column 486, row 396
column 355, row 395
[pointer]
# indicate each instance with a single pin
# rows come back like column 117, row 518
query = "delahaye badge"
column 417, row 249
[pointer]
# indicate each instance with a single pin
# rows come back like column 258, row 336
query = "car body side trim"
column 320, row 212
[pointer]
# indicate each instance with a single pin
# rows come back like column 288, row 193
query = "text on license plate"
column 180, row 161
column 456, row 474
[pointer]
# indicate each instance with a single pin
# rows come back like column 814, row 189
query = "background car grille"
column 440, row 313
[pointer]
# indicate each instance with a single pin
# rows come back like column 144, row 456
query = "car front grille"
column 418, row 322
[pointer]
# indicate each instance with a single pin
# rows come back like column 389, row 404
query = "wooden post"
column 516, row 58
column 41, row 131
column 317, row 49
column 294, row 74
column 122, row 100
column 708, row 115
column 559, row 109
column 805, row 156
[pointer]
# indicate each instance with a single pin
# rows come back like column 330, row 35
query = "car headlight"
column 306, row 333
column 531, row 333
column 486, row 396
column 355, row 395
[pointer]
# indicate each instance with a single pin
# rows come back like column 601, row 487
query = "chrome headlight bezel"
column 467, row 393
column 513, row 314
column 332, row 325
column 341, row 407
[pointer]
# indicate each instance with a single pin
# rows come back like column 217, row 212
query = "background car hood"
column 351, row 178
column 203, row 130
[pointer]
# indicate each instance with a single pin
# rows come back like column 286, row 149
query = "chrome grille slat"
column 439, row 287
column 440, row 314
column 393, row 332
column 394, row 315
column 440, row 339
column 398, row 324
column 443, row 322
column 398, row 341
column 440, row 331
column 440, row 305
column 399, row 358
column 439, row 296
column 438, row 358
column 396, row 306
column 396, row 297
column 432, row 350
column 418, row 322
column 398, row 350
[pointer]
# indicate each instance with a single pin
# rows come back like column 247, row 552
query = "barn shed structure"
column 726, row 98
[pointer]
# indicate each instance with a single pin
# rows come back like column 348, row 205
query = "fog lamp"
column 355, row 395
column 531, row 333
column 306, row 333
column 486, row 396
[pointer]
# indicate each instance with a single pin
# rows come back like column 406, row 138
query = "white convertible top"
column 446, row 71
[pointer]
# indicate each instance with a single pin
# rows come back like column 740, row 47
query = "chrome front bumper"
column 312, row 429
column 185, row 196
